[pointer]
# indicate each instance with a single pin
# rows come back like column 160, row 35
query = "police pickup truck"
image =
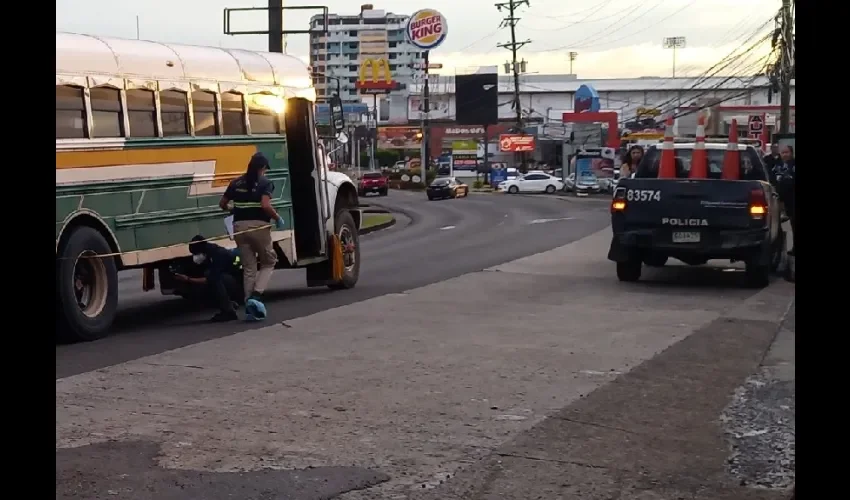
column 695, row 220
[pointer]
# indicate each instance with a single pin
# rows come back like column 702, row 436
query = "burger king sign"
column 427, row 29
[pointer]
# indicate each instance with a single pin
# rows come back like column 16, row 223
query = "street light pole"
column 674, row 42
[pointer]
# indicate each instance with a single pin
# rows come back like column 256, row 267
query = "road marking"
column 543, row 221
column 446, row 227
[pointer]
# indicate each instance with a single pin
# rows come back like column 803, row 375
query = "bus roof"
column 88, row 55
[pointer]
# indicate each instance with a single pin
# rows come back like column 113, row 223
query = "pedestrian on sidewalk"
column 785, row 180
column 253, row 218
column 631, row 161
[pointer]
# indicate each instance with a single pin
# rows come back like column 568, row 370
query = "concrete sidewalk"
column 409, row 390
column 666, row 430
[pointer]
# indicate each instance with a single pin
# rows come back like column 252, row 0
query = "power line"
column 605, row 30
column 591, row 43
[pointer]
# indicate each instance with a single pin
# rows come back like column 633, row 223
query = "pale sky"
column 613, row 38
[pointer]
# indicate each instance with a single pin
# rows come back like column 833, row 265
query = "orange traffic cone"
column 667, row 168
column 699, row 160
column 732, row 158
column 765, row 135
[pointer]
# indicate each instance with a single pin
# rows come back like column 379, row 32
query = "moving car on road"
column 695, row 220
column 446, row 187
column 584, row 187
column 373, row 182
column 148, row 136
column 534, row 182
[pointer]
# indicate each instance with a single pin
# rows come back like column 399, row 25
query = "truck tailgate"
column 716, row 204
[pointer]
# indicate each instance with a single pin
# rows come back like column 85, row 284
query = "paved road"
column 432, row 241
column 541, row 377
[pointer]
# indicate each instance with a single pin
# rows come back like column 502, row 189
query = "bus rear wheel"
column 86, row 286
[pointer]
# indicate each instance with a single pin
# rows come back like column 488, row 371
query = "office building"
column 352, row 39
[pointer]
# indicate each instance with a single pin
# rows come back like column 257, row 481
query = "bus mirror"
column 342, row 138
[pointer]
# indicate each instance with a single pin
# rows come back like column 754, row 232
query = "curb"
column 378, row 227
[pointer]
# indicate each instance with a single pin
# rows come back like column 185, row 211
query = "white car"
column 536, row 182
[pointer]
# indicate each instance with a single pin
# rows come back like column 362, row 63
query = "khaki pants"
column 255, row 246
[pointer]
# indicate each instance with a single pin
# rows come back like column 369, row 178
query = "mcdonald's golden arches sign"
column 372, row 83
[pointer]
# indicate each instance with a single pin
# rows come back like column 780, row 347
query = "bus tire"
column 346, row 230
column 83, row 322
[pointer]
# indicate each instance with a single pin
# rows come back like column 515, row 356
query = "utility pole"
column 275, row 12
column 573, row 56
column 516, row 66
column 786, row 65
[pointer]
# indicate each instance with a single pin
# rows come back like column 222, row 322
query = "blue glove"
column 279, row 224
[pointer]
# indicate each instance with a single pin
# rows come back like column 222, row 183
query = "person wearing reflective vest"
column 222, row 280
column 253, row 219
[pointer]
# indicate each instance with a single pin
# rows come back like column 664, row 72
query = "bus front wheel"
column 86, row 286
column 349, row 238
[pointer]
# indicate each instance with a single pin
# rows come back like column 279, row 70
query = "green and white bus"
column 148, row 136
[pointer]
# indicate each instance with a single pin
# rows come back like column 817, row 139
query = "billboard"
column 477, row 99
column 399, row 138
column 440, row 105
column 594, row 163
column 516, row 143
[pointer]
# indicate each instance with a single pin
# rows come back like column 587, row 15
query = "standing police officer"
column 251, row 195
column 785, row 175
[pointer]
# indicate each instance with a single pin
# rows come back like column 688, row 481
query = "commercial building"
column 373, row 35
column 544, row 98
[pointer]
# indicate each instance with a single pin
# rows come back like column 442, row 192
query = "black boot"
column 223, row 316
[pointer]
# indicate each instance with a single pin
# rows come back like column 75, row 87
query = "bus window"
column 232, row 120
column 174, row 109
column 141, row 111
column 70, row 113
column 107, row 119
column 203, row 110
column 264, row 113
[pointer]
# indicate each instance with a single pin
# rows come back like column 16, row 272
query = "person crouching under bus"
column 253, row 217
column 222, row 277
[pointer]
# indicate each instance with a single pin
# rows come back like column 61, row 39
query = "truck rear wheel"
column 757, row 275
column 86, row 286
column 346, row 231
column 629, row 270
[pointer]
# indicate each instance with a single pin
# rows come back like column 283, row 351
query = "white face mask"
column 199, row 259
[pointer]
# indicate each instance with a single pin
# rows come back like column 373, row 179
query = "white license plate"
column 686, row 237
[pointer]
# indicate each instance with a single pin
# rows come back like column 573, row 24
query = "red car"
column 373, row 182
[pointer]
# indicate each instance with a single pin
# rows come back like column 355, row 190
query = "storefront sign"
column 399, row 138
column 515, row 143
column 477, row 131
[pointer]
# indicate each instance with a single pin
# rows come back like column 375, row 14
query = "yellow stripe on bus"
column 229, row 160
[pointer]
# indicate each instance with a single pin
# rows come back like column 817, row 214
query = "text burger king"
column 427, row 29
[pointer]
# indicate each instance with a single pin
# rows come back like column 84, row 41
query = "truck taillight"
column 618, row 204
column 758, row 203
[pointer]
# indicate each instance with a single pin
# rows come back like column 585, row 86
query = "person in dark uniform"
column 771, row 159
column 253, row 218
column 784, row 175
column 220, row 279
